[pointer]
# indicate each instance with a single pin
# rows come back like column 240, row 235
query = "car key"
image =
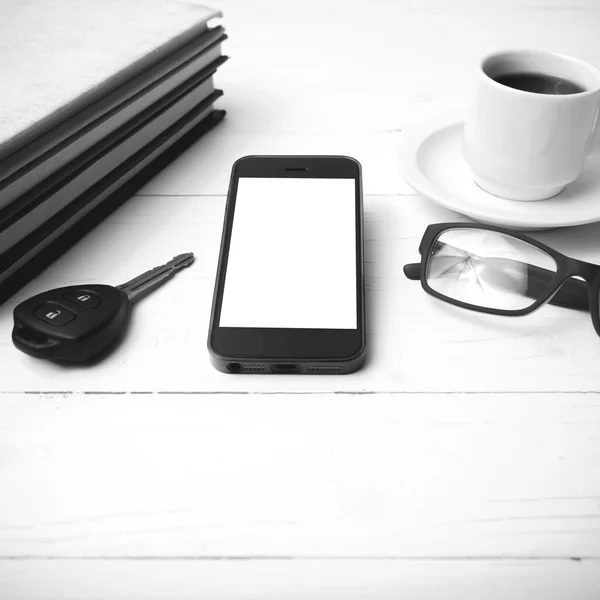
column 77, row 323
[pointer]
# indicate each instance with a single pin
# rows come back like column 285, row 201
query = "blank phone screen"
column 292, row 255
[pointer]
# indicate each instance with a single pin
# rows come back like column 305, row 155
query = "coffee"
column 539, row 83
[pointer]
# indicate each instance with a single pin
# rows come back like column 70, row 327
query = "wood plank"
column 337, row 475
column 368, row 67
column 299, row 580
column 416, row 343
column 343, row 77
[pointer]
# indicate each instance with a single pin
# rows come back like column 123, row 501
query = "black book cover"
column 40, row 248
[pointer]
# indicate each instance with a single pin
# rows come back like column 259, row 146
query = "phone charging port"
column 285, row 368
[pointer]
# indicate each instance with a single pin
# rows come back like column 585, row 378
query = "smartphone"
column 289, row 292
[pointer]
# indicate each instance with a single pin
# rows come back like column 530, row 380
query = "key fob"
column 71, row 324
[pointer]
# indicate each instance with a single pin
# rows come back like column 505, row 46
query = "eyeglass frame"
column 566, row 268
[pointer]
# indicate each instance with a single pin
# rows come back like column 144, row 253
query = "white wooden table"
column 462, row 462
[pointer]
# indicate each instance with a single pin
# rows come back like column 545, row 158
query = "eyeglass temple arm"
column 573, row 293
column 413, row 271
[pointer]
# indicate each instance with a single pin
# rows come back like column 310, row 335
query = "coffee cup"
column 532, row 123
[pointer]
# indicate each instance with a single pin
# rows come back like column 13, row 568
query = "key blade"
column 181, row 261
column 147, row 282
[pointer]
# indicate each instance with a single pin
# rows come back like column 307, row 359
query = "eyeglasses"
column 502, row 272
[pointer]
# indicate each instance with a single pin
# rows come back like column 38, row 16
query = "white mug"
column 523, row 145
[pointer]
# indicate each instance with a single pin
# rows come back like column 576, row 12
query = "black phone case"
column 274, row 364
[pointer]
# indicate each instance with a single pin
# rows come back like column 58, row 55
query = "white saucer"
column 432, row 163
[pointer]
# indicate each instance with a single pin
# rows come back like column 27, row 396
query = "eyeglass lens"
column 489, row 269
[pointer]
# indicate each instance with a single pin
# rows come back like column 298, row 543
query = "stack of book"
column 97, row 96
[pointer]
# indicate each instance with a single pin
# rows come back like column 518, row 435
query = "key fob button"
column 53, row 314
column 83, row 298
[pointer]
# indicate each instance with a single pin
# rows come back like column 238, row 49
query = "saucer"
column 432, row 163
